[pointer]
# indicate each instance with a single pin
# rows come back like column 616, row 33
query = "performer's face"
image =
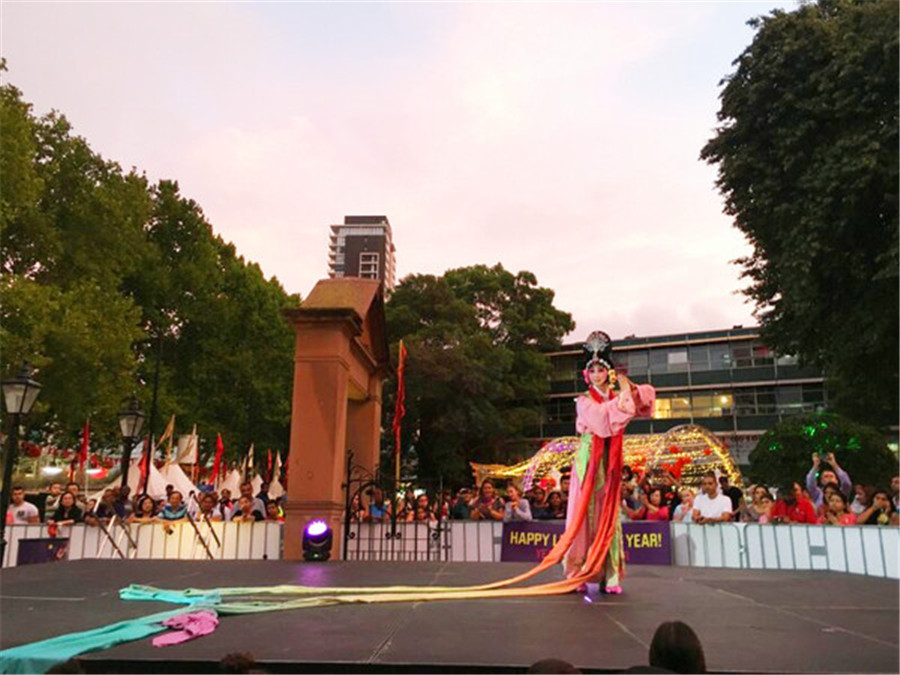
column 598, row 375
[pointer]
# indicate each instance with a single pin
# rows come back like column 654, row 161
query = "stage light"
column 317, row 540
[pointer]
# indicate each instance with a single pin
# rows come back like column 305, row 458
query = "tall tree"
column 106, row 279
column 475, row 370
column 69, row 222
column 807, row 154
column 785, row 450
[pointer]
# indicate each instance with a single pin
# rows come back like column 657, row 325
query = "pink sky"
column 558, row 138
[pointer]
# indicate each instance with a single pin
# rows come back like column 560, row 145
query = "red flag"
column 220, row 450
column 269, row 466
column 85, row 442
column 399, row 408
column 145, row 466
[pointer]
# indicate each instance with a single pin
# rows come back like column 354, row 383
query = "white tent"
column 172, row 473
column 275, row 489
column 232, row 482
column 156, row 484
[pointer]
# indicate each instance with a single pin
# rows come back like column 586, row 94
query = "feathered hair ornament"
column 598, row 348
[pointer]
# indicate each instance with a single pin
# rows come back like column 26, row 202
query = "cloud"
column 547, row 137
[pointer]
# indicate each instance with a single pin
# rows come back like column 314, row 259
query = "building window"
column 677, row 361
column 368, row 265
column 712, row 404
column 747, row 355
column 559, row 410
column 719, row 356
column 564, row 369
column 638, row 362
column 672, row 405
column 699, row 357
column 789, row 399
column 659, row 361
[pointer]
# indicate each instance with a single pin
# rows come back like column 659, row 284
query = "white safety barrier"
column 236, row 541
column 860, row 549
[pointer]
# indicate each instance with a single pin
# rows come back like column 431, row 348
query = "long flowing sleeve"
column 644, row 401
column 611, row 417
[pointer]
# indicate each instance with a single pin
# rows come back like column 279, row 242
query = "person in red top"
column 655, row 505
column 792, row 506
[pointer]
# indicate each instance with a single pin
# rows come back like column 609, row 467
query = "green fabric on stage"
column 39, row 657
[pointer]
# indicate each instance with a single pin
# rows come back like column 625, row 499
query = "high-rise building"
column 363, row 247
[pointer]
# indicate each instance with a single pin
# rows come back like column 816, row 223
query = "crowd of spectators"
column 482, row 502
column 67, row 506
column 825, row 496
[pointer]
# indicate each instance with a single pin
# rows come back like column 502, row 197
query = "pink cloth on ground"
column 192, row 625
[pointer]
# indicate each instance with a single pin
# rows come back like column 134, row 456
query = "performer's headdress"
column 598, row 348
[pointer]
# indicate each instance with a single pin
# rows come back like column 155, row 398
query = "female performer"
column 602, row 415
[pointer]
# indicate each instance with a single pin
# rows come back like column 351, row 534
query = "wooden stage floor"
column 748, row 621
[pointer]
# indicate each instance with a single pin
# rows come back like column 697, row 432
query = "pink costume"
column 604, row 416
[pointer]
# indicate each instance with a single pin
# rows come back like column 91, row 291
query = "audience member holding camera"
column 830, row 474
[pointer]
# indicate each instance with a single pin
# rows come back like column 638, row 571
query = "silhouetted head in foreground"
column 676, row 646
column 239, row 662
column 552, row 666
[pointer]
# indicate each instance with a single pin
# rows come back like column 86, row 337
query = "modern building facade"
column 363, row 247
column 728, row 381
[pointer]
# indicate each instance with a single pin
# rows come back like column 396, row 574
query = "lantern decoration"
column 688, row 451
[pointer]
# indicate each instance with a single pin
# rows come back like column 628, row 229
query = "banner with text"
column 646, row 543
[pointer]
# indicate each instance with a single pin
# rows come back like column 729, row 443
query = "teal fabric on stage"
column 188, row 597
column 39, row 657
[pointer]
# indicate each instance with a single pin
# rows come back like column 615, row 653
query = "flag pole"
column 399, row 409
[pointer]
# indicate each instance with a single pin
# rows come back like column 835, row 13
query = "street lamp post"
column 19, row 394
column 130, row 422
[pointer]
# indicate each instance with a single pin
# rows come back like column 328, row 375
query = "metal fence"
column 401, row 541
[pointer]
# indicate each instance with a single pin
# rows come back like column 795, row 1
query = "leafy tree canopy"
column 807, row 155
column 785, row 451
column 475, row 372
column 105, row 276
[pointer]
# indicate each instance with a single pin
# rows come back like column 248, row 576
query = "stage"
column 748, row 621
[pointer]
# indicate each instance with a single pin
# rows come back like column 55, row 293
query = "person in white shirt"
column 710, row 506
column 21, row 512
